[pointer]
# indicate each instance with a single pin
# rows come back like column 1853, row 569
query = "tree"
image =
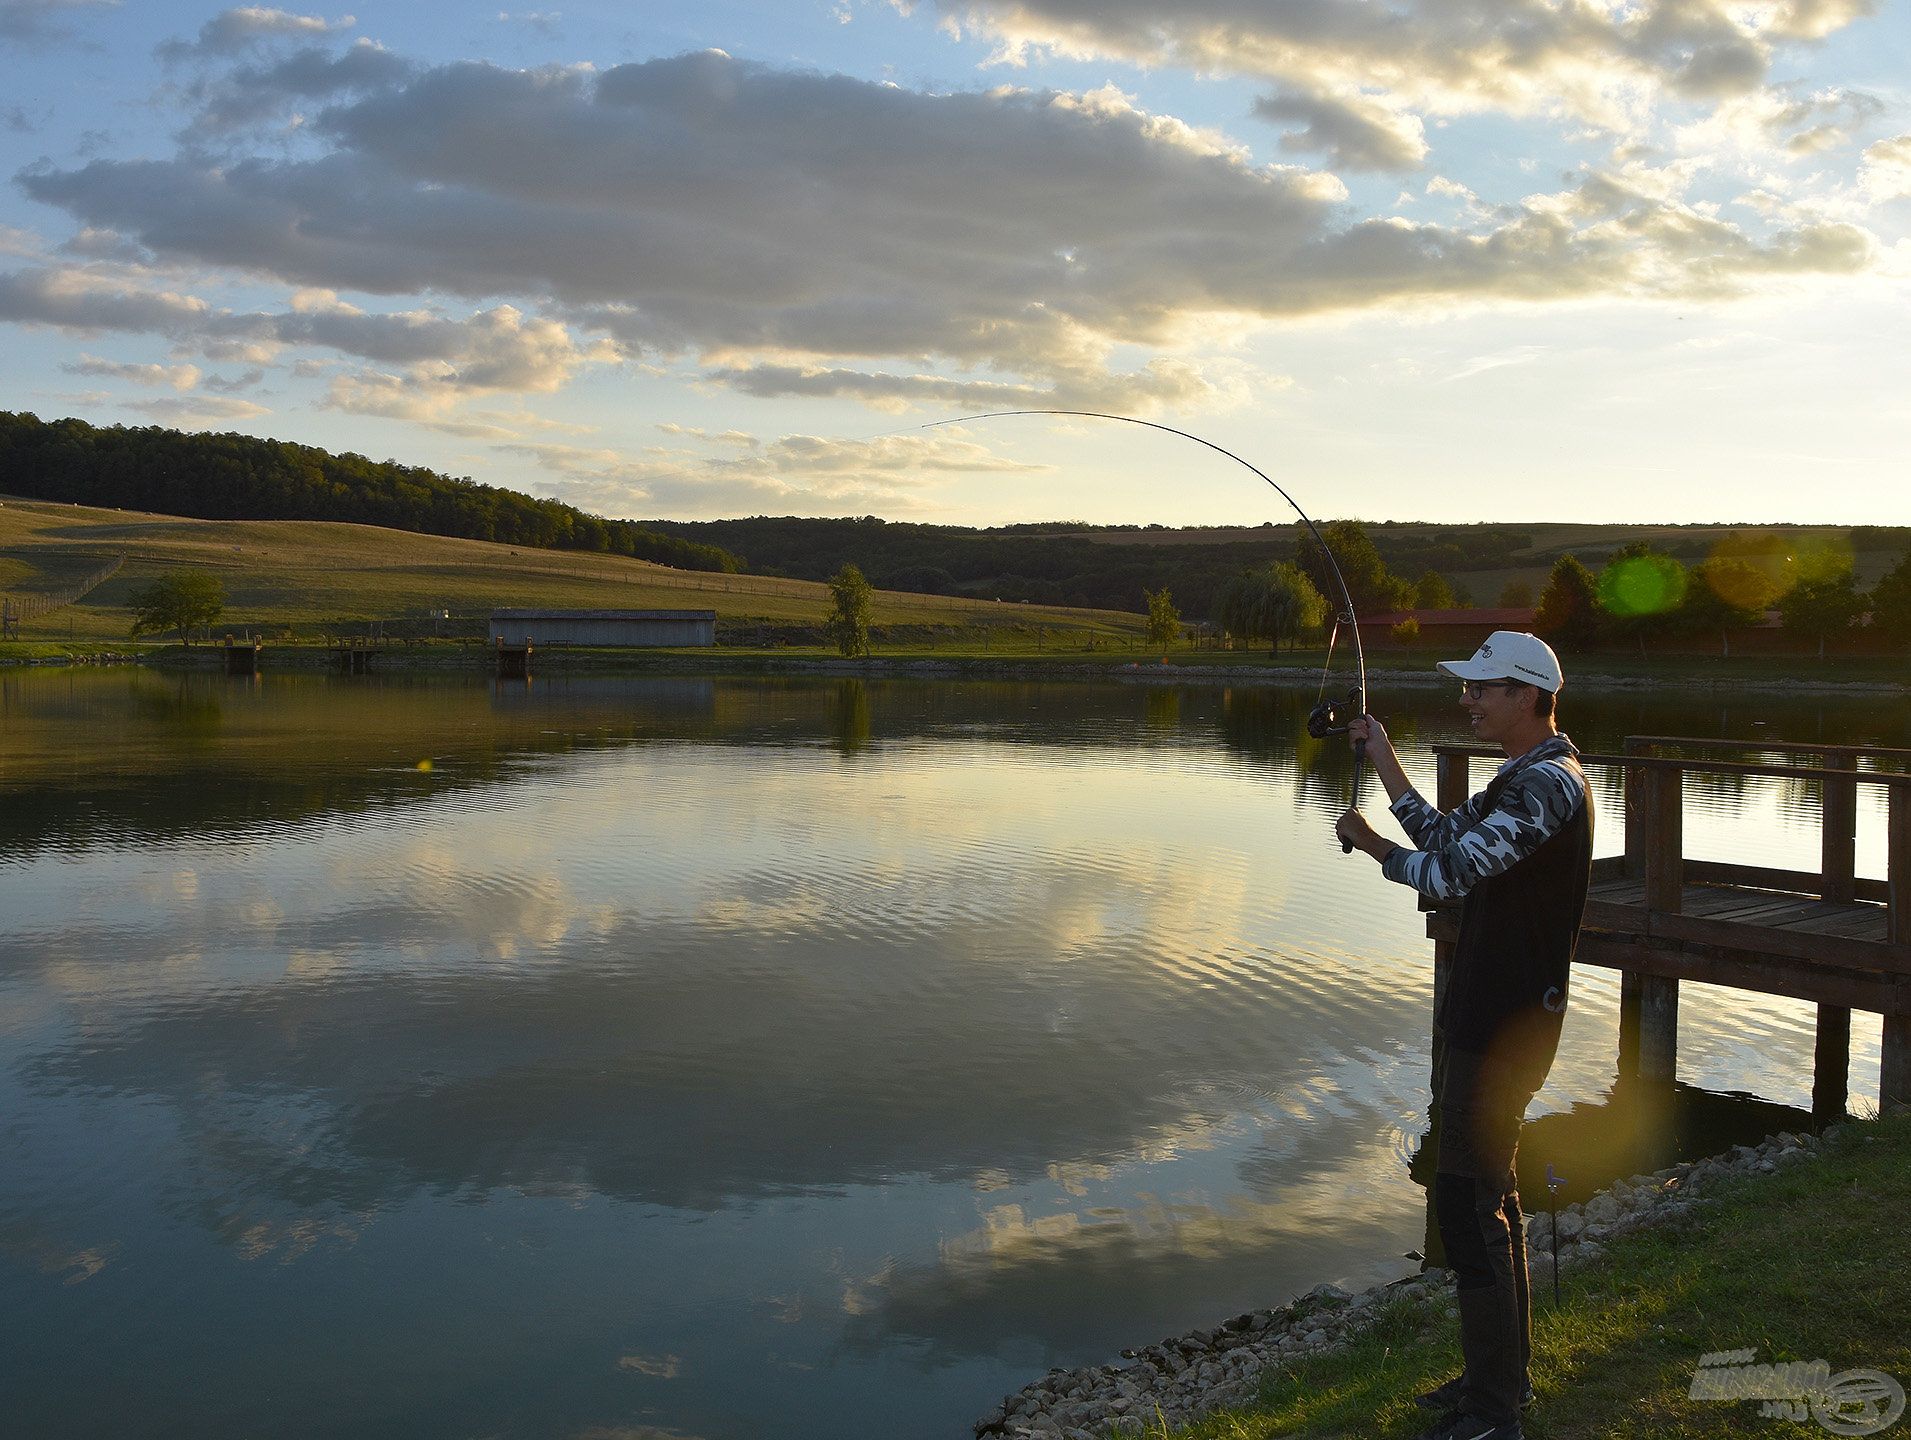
column 1370, row 585
column 1164, row 621
column 1407, row 632
column 848, row 620
column 1569, row 605
column 1432, row 592
column 1515, row 595
column 1891, row 602
column 1276, row 601
column 1640, row 590
column 1726, row 594
column 178, row 602
column 1821, row 608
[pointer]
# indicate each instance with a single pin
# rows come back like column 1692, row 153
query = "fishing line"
column 1327, row 717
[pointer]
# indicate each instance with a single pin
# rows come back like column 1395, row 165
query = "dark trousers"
column 1476, row 1204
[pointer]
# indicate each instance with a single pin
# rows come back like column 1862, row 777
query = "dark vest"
column 1512, row 968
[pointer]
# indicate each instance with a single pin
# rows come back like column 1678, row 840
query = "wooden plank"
column 1867, row 924
column 1793, row 944
column 1761, row 877
column 1889, row 779
column 1776, row 747
column 1741, row 970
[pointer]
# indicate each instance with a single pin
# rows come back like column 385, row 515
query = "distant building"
column 634, row 628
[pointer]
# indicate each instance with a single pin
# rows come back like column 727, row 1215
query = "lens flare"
column 1642, row 585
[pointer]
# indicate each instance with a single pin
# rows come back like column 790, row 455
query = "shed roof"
column 603, row 614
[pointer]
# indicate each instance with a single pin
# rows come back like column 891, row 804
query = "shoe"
column 1447, row 1396
column 1462, row 1426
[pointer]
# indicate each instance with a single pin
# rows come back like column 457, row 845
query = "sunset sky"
column 1419, row 259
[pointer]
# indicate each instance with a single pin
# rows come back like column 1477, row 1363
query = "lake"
column 688, row 1057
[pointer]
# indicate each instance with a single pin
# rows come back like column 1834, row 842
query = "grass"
column 1804, row 1265
column 306, row 573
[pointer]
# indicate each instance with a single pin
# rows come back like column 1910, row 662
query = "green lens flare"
column 1642, row 585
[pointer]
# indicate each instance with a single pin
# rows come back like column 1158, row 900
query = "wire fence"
column 15, row 610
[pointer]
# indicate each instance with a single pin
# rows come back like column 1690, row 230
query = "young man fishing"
column 1518, row 856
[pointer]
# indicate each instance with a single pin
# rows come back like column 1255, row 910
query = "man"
column 1519, row 856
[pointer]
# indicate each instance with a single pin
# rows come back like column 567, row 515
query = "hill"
column 313, row 576
column 241, row 477
column 1109, row 565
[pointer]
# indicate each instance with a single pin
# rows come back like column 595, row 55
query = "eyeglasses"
column 1473, row 689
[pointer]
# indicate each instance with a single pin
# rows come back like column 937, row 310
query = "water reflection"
column 644, row 1042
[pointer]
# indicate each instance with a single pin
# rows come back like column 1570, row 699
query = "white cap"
column 1511, row 655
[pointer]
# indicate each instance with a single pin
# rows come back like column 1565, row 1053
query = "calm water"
column 690, row 1058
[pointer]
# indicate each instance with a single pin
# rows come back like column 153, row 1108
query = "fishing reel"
column 1332, row 717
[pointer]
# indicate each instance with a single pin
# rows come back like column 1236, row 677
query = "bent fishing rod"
column 1328, row 717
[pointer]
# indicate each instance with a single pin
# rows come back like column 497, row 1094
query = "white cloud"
column 790, row 227
column 1886, row 174
column 192, row 411
column 794, row 474
column 1594, row 61
column 178, row 377
column 246, row 26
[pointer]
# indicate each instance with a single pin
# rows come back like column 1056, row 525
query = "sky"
column 1452, row 260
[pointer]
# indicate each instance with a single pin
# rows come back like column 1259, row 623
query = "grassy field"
column 1808, row 1264
column 308, row 574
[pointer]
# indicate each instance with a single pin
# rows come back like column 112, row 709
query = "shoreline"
column 477, row 661
column 1182, row 1379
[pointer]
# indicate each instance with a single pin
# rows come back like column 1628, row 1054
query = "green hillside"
column 314, row 576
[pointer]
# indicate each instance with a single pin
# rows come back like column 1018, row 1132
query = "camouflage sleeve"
column 1531, row 810
column 1427, row 827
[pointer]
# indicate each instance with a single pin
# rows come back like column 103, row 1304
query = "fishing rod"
column 1328, row 717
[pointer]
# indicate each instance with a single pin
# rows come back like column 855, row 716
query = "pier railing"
column 1659, row 916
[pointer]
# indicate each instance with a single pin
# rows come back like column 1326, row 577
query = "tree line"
column 241, row 477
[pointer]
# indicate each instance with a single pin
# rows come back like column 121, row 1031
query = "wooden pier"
column 242, row 655
column 1659, row 917
column 514, row 661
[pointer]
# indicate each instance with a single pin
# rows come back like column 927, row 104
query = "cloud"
column 789, row 227
column 446, row 359
column 1593, row 61
column 197, row 410
column 1355, row 132
column 77, row 299
column 1162, row 382
column 254, row 95
column 242, row 28
column 1886, row 173
column 179, row 377
column 794, row 474
column 544, row 22
column 39, row 20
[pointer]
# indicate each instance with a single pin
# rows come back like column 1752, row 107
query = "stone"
column 1569, row 1225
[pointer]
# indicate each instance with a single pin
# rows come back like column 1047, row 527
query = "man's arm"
column 1533, row 808
column 1425, row 825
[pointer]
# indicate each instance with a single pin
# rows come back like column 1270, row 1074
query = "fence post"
column 1649, row 1004
column 1894, row 1061
column 1840, row 827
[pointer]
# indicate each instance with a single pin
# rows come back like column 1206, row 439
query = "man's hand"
column 1379, row 753
column 1353, row 828
column 1366, row 728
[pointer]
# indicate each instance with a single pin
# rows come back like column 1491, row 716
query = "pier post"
column 1841, row 827
column 1831, row 1064
column 1649, row 1004
column 1894, row 1059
